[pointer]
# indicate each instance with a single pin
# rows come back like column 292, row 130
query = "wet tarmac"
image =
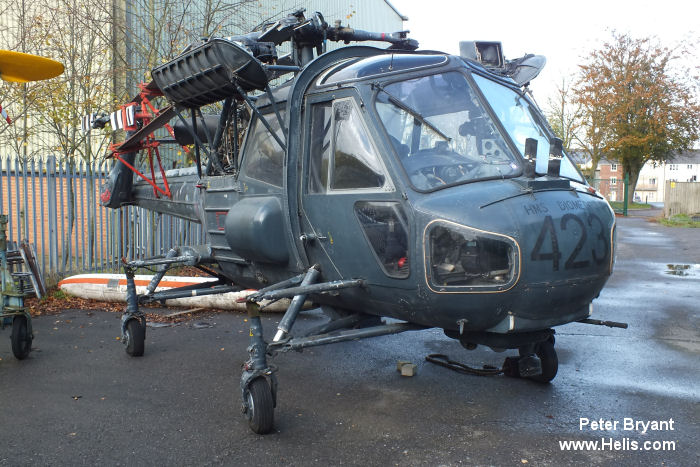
column 80, row 400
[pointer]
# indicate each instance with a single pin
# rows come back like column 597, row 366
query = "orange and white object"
column 112, row 288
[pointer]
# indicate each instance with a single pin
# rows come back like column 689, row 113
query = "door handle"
column 309, row 238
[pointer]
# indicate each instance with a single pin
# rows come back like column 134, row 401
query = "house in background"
column 684, row 167
column 651, row 183
column 610, row 180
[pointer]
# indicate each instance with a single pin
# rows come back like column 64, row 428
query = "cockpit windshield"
column 441, row 132
column 519, row 118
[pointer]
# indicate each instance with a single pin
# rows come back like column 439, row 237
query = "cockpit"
column 449, row 123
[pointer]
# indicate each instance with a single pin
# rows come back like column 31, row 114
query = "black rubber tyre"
column 550, row 363
column 21, row 340
column 136, row 337
column 261, row 413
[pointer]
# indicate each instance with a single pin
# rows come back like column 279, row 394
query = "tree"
column 639, row 105
column 564, row 114
column 18, row 99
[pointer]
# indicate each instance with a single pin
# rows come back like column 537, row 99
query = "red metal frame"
column 152, row 181
column 146, row 114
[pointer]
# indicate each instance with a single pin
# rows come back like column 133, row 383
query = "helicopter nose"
column 567, row 245
column 566, row 238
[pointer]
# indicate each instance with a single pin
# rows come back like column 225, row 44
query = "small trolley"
column 12, row 310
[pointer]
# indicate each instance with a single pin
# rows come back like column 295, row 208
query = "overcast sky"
column 563, row 31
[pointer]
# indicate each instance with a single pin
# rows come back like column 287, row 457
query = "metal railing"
column 614, row 190
column 55, row 206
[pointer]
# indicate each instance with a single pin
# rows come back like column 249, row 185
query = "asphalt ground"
column 78, row 399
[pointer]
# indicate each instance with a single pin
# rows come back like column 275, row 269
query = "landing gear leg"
column 133, row 320
column 258, row 382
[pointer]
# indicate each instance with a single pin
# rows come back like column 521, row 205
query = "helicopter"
column 417, row 186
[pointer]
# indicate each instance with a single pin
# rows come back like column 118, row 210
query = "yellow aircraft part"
column 21, row 67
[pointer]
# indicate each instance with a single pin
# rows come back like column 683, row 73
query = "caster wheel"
column 261, row 412
column 21, row 340
column 550, row 363
column 135, row 338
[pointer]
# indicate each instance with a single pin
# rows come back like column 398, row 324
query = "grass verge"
column 681, row 220
column 620, row 205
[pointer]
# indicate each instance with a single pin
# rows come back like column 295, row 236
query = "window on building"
column 690, row 166
column 652, row 181
column 613, row 168
column 673, row 167
column 613, row 180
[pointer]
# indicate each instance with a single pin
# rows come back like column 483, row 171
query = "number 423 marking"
column 576, row 259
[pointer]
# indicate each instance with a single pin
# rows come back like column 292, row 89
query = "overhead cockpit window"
column 264, row 158
column 441, row 132
column 381, row 64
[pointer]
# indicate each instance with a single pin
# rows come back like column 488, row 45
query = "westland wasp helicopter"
column 414, row 185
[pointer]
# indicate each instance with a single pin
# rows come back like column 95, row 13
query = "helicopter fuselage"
column 408, row 171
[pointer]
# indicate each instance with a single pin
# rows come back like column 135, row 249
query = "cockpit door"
column 353, row 222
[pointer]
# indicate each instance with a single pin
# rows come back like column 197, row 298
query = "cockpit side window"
column 342, row 156
column 320, row 148
column 355, row 162
column 263, row 157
